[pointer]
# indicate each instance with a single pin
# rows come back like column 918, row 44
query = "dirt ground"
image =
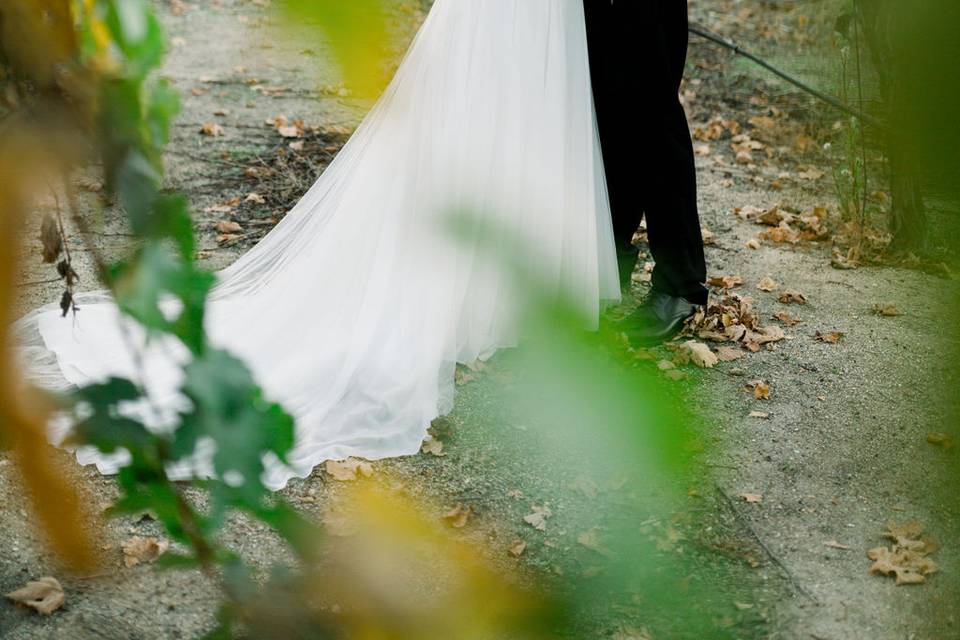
column 842, row 452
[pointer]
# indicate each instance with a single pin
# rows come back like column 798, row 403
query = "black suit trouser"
column 637, row 51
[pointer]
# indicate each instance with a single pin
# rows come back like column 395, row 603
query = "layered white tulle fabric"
column 353, row 311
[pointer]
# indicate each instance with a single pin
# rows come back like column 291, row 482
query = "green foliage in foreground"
column 124, row 39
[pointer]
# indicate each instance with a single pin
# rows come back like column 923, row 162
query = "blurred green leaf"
column 140, row 287
column 229, row 408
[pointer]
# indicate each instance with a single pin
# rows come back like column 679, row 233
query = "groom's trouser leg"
column 637, row 55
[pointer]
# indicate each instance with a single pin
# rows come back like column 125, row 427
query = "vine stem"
column 203, row 548
column 863, row 143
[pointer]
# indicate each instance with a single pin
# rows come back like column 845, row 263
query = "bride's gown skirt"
column 354, row 310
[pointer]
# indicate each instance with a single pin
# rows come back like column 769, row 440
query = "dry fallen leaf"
column 138, row 550
column 789, row 296
column 44, row 595
column 228, row 226
column 709, row 237
column 458, row 516
column 787, row 319
column 907, row 558
column 753, row 243
column 885, row 310
column 50, row 239
column 517, row 548
column 538, row 519
column 761, row 390
column 759, row 414
column 699, row 354
column 255, row 197
column 289, row 132
column 211, row 129
column 349, row 469
column 831, row 337
column 729, row 354
column 752, row 498
column 833, row 544
column 727, row 282
column 767, row 284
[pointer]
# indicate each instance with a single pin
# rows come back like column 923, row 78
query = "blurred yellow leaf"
column 357, row 33
column 433, row 584
column 25, row 169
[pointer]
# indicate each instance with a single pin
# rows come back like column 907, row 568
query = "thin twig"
column 773, row 558
column 38, row 282
column 832, row 101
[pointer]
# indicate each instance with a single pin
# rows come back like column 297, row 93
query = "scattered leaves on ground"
column 732, row 320
column 906, row 559
column 787, row 225
column 44, row 595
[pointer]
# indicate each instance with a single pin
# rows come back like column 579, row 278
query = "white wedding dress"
column 354, row 310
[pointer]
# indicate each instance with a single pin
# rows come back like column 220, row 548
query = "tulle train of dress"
column 354, row 310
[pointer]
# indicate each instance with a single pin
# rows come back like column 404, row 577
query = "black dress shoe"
column 659, row 318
